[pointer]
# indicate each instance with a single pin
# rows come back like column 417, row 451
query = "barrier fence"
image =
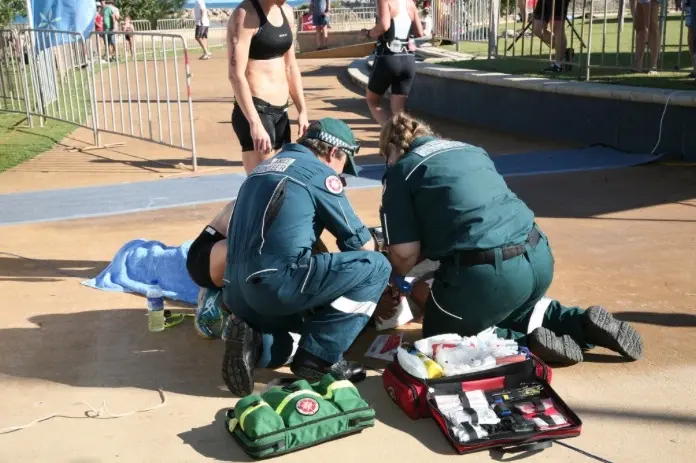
column 139, row 88
column 217, row 32
column 601, row 33
column 340, row 19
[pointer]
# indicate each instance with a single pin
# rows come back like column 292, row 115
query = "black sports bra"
column 269, row 41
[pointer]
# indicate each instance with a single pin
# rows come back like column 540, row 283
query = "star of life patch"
column 307, row 407
column 334, row 184
column 273, row 165
column 436, row 146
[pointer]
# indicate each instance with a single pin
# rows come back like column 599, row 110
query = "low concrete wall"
column 306, row 41
column 627, row 118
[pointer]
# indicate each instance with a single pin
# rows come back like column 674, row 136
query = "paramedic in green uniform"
column 444, row 200
column 289, row 305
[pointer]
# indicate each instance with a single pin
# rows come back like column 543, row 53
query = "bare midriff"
column 268, row 80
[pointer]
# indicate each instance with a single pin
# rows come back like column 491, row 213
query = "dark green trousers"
column 467, row 300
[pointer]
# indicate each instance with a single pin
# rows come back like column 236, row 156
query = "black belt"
column 471, row 258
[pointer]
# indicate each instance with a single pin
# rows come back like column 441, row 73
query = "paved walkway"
column 218, row 150
column 621, row 238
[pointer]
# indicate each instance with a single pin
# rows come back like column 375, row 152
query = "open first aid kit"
column 285, row 419
column 483, row 393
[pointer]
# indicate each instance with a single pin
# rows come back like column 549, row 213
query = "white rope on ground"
column 662, row 119
column 91, row 413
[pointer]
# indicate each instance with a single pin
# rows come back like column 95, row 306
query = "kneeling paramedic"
column 445, row 201
column 276, row 289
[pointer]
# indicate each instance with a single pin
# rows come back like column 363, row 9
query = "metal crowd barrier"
column 137, row 88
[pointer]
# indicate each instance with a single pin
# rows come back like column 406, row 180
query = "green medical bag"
column 297, row 416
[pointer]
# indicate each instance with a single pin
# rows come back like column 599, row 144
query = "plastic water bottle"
column 155, row 307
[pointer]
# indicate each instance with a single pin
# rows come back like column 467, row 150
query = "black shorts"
column 198, row 258
column 543, row 9
column 201, row 32
column 274, row 119
column 395, row 71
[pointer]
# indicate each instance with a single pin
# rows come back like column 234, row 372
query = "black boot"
column 242, row 351
column 551, row 348
column 310, row 367
column 602, row 329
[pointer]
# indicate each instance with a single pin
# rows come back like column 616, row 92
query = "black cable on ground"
column 587, row 454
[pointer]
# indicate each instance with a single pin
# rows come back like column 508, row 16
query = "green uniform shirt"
column 285, row 204
column 449, row 196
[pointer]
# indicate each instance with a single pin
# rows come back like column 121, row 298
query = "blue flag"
column 65, row 15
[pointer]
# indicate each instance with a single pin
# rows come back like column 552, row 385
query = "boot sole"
column 237, row 371
column 606, row 331
column 562, row 350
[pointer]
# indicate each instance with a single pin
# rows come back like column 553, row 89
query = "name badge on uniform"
column 436, row 146
column 273, row 165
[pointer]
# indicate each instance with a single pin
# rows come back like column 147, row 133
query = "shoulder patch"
column 436, row 146
column 334, row 184
column 273, row 165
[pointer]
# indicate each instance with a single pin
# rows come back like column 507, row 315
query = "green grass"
column 611, row 61
column 19, row 143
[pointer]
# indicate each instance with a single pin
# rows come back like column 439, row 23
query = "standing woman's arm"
column 384, row 19
column 415, row 20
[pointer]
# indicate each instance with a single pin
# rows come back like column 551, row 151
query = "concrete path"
column 622, row 238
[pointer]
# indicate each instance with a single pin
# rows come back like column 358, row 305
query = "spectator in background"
column 111, row 17
column 426, row 20
column 99, row 27
column 689, row 23
column 320, row 19
column 555, row 11
column 129, row 29
column 202, row 25
column 647, row 24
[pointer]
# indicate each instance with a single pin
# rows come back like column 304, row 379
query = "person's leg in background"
column 202, row 39
column 325, row 32
column 542, row 16
column 654, row 39
column 405, row 70
column 380, row 80
column 640, row 23
column 522, row 7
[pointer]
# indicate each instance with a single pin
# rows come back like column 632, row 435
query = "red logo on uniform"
column 334, row 184
column 307, row 407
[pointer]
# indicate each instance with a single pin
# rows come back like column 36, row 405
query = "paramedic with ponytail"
column 395, row 61
column 444, row 200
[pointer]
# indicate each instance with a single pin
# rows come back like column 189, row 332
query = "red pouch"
column 409, row 393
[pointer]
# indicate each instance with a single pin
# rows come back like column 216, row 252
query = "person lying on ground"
column 263, row 73
column 288, row 305
column 444, row 201
column 205, row 263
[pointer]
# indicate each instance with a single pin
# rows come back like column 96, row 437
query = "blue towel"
column 139, row 262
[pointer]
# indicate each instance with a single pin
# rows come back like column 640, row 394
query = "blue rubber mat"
column 52, row 205
column 77, row 203
column 552, row 162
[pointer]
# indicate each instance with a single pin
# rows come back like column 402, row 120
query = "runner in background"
column 128, row 29
column 263, row 72
column 395, row 61
column 320, row 19
column 202, row 25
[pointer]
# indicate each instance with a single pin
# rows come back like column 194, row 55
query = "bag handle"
column 530, row 447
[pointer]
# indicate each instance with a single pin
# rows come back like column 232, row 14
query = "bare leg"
column 318, row 37
column 218, row 254
column 251, row 159
column 398, row 103
column 204, row 44
column 325, row 36
column 641, row 25
column 560, row 41
column 378, row 111
column 654, row 38
column 539, row 29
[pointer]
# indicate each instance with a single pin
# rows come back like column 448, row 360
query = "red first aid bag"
column 416, row 397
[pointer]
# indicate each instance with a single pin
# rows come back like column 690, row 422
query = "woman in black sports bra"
column 263, row 73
